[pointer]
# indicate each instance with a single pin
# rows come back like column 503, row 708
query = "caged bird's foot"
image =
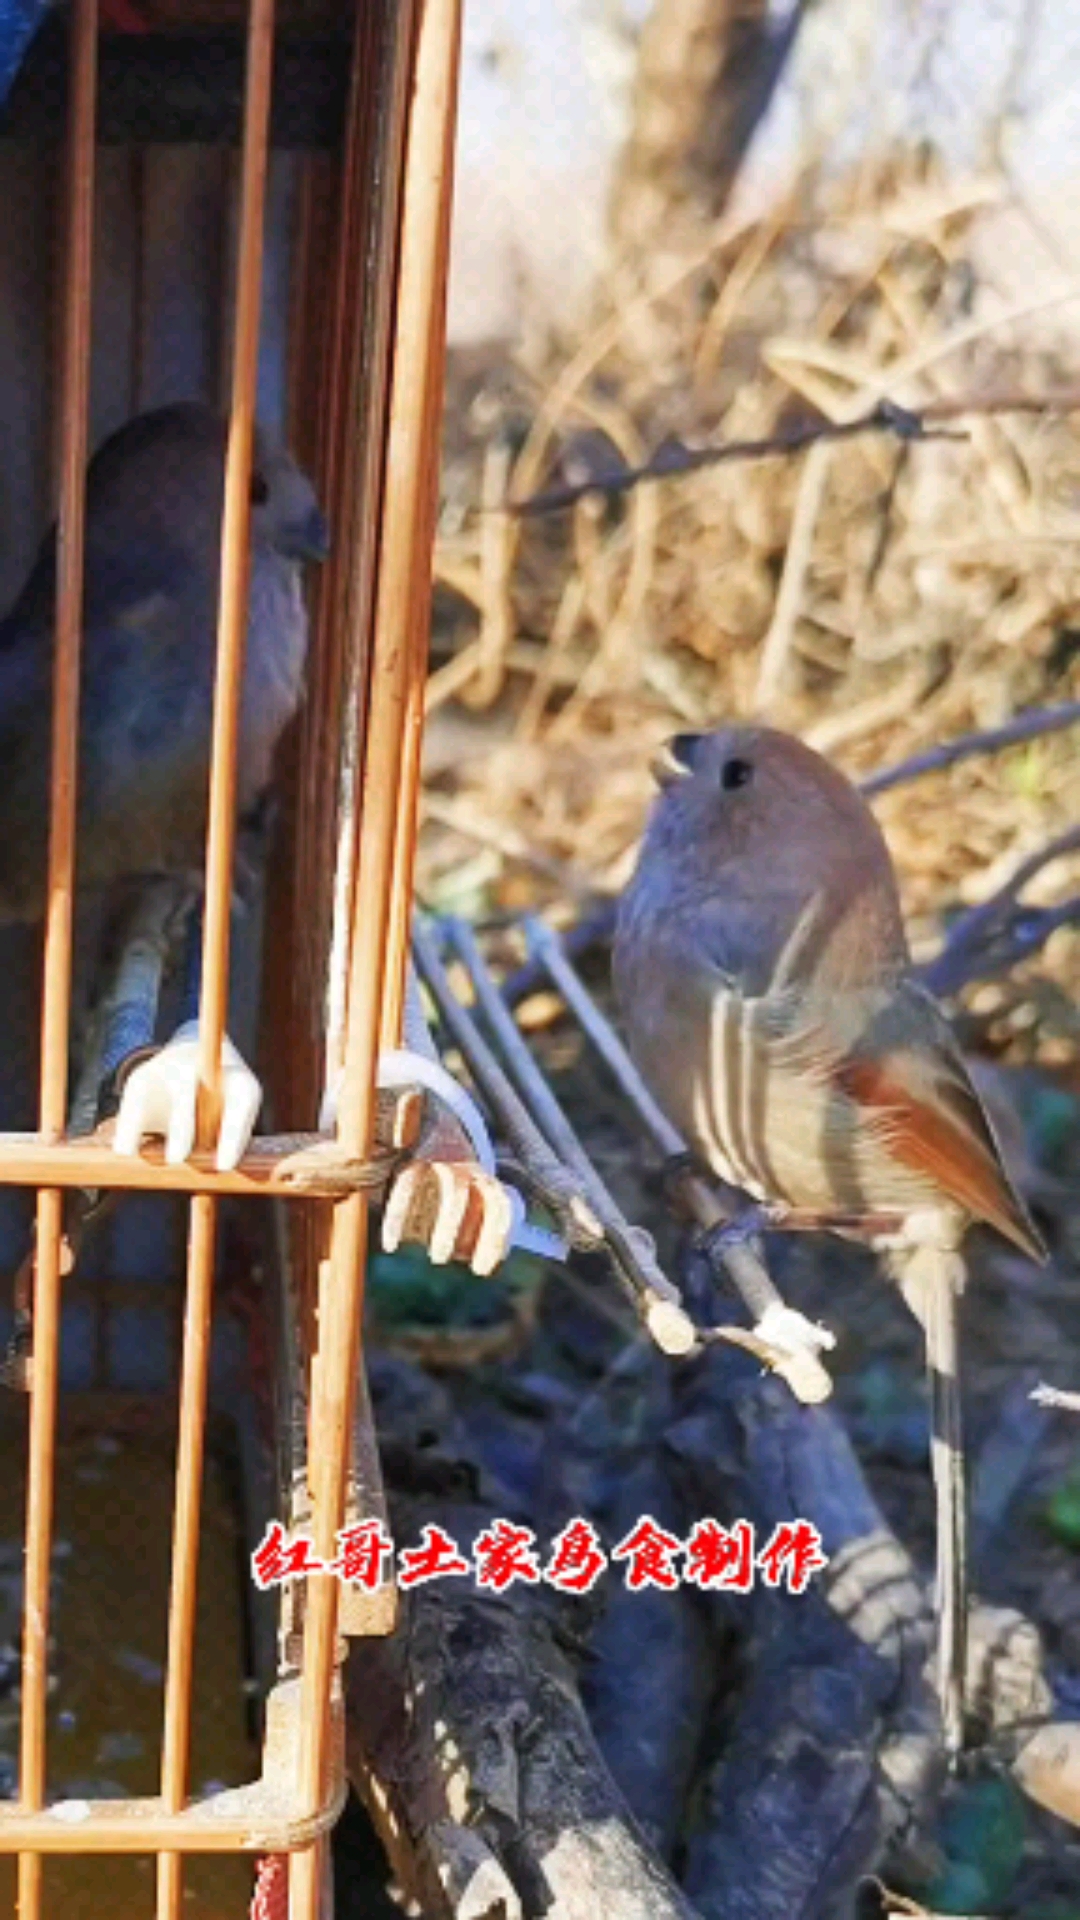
column 160, row 1097
column 454, row 1211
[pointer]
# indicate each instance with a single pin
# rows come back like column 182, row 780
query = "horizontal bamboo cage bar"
column 308, row 1166
column 258, row 1818
column 244, row 1820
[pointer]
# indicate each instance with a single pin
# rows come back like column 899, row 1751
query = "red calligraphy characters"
column 437, row 1558
column 721, row 1558
column 365, row 1550
column 504, row 1554
column 277, row 1559
column 649, row 1552
column 716, row 1558
column 577, row 1558
column 794, row 1549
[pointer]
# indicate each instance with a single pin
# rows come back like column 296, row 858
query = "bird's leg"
column 126, row 1016
column 748, row 1225
column 932, row 1279
column 675, row 1171
column 121, row 1023
column 947, row 1455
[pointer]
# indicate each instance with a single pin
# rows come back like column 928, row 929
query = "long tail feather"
column 947, row 1462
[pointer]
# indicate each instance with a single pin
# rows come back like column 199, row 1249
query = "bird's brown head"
column 757, row 822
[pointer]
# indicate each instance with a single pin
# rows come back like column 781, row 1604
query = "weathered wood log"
column 528, row 1753
column 467, row 1739
column 833, row 1753
column 471, row 1749
column 651, row 1677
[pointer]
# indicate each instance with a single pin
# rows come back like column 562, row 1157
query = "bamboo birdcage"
column 365, row 333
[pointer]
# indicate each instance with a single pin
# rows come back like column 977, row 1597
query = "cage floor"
column 115, row 1465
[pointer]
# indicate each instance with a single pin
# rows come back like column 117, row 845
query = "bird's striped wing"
column 761, row 1088
column 916, row 1085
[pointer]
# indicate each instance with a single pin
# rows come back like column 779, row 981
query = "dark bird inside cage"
column 766, row 983
column 154, row 502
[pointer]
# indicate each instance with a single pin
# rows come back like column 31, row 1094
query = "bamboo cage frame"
column 375, row 614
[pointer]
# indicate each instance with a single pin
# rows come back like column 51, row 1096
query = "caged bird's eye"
column 260, row 492
column 735, row 774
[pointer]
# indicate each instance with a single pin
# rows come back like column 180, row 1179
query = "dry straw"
column 874, row 595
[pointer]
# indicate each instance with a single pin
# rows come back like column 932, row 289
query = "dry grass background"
column 876, row 598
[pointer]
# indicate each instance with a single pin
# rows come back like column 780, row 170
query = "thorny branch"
column 905, row 423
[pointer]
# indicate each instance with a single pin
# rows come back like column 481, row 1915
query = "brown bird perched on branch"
column 766, row 984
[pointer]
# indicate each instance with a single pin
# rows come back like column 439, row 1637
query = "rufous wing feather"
column 936, row 1125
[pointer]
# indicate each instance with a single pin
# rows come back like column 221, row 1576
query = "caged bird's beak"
column 675, row 759
column 307, row 539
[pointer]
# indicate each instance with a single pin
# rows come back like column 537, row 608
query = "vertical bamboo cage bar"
column 365, row 317
column 403, row 593
column 435, row 168
column 340, row 402
column 338, row 385
column 58, row 921
column 232, row 618
column 364, row 333
column 408, row 815
column 221, row 832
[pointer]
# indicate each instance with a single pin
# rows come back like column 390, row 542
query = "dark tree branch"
column 1031, row 725
column 673, row 460
column 907, row 424
column 998, row 933
column 466, row 1736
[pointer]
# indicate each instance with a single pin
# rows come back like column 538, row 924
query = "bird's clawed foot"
column 454, row 1210
column 160, row 1097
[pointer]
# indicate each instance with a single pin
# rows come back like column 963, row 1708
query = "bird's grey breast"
column 274, row 669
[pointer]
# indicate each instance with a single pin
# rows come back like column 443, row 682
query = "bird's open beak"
column 675, row 759
column 309, row 539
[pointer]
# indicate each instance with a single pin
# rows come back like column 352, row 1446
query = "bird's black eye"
column 734, row 774
column 260, row 492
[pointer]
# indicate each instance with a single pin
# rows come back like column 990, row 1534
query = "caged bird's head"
column 285, row 515
column 155, row 491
